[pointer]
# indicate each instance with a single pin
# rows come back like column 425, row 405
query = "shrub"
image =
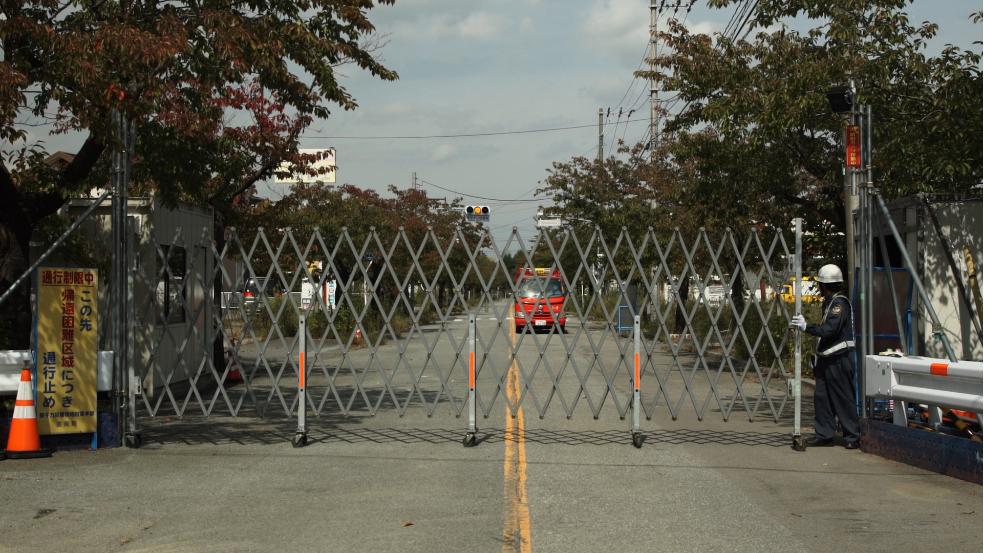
column 285, row 317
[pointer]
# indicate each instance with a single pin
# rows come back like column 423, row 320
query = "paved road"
column 389, row 483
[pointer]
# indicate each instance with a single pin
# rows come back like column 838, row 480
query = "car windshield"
column 533, row 287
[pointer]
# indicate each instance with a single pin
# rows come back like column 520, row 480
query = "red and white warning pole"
column 300, row 436
column 472, row 400
column 637, row 436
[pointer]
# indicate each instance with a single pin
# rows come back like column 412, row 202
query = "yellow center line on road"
column 516, row 536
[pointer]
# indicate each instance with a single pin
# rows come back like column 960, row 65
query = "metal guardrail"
column 935, row 382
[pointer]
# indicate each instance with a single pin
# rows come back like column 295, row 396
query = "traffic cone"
column 235, row 374
column 358, row 337
column 24, row 441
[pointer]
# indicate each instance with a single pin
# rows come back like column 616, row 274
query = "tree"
column 182, row 71
column 374, row 222
column 756, row 126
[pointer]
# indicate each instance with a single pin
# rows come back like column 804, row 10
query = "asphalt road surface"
column 550, row 484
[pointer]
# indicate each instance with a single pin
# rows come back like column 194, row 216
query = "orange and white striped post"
column 470, row 435
column 24, row 440
column 637, row 436
column 300, row 436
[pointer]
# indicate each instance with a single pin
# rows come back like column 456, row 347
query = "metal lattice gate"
column 462, row 324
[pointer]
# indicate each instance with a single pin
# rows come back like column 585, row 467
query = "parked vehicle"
column 252, row 290
column 540, row 296
column 808, row 288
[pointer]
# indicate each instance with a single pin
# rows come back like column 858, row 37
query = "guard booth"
column 172, row 270
column 921, row 222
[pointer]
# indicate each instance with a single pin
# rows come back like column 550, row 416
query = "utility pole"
column 415, row 185
column 850, row 205
column 653, row 114
column 601, row 135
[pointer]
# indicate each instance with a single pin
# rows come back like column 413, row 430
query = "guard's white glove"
column 798, row 322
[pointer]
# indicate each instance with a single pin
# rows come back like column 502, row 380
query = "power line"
column 744, row 12
column 461, row 135
column 634, row 77
column 479, row 197
column 751, row 12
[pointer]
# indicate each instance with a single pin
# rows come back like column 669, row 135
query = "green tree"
column 181, row 71
column 757, row 131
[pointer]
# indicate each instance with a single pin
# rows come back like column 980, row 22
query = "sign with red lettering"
column 66, row 354
column 852, row 141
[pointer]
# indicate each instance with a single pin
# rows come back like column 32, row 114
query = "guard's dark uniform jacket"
column 835, row 395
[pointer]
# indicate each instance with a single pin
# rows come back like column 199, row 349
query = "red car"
column 540, row 296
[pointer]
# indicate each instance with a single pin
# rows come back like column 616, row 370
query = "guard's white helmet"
column 830, row 273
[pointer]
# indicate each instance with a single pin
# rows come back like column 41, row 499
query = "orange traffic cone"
column 235, row 374
column 24, row 441
column 358, row 337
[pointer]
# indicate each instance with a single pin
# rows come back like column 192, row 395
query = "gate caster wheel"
column 637, row 439
column 133, row 440
column 799, row 444
column 299, row 440
column 469, row 440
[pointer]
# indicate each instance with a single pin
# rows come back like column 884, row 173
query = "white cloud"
column 616, row 18
column 479, row 25
column 443, row 152
column 472, row 26
column 395, row 108
column 526, row 25
column 620, row 27
column 704, row 28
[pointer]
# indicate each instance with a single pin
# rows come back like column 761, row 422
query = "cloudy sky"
column 510, row 65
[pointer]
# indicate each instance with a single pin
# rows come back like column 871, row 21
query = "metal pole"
column 798, row 443
column 653, row 93
column 862, row 288
column 300, row 436
column 869, row 242
column 850, row 203
column 120, row 273
column 30, row 270
column 923, row 296
column 637, row 436
column 886, row 264
column 132, row 385
column 601, row 135
column 470, row 438
column 864, row 249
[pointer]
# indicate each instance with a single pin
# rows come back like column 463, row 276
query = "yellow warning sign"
column 67, row 350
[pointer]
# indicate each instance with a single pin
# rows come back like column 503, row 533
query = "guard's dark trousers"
column 834, row 397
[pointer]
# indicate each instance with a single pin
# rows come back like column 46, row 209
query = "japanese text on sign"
column 67, row 344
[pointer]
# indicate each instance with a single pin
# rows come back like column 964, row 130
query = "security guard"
column 832, row 366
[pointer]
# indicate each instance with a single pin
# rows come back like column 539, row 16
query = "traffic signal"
column 477, row 213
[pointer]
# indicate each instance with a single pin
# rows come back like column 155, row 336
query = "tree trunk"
column 16, row 327
column 738, row 294
column 681, row 318
column 20, row 213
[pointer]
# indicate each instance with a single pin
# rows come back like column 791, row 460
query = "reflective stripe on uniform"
column 836, row 347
